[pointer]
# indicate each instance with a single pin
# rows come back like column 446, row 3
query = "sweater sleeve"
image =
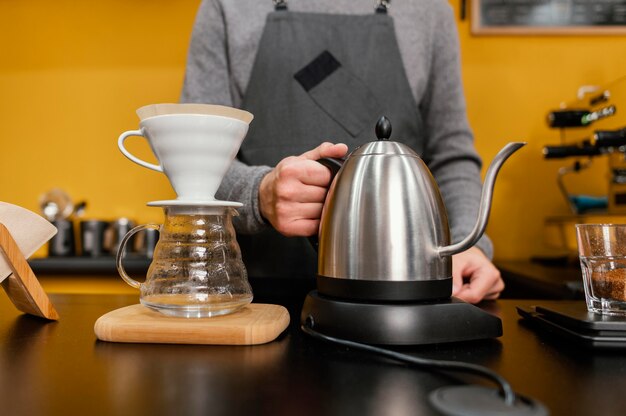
column 449, row 150
column 207, row 80
column 207, row 71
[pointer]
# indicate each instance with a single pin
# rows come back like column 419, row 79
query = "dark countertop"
column 541, row 280
column 50, row 368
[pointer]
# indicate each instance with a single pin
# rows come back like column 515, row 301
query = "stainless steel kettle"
column 384, row 231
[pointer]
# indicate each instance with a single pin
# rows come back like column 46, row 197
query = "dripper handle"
column 121, row 253
column 130, row 156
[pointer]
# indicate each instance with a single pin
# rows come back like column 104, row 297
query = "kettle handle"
column 333, row 165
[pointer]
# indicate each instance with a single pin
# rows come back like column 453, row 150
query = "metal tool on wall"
column 611, row 143
column 591, row 131
column 590, row 127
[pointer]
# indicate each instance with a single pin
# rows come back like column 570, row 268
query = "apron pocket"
column 339, row 93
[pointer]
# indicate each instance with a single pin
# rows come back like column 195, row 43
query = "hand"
column 292, row 195
column 474, row 277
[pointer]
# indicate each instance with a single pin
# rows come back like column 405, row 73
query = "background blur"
column 72, row 74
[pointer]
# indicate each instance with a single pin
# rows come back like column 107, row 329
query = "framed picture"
column 548, row 17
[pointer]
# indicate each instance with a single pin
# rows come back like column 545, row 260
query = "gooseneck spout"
column 485, row 202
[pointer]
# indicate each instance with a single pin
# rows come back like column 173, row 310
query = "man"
column 315, row 69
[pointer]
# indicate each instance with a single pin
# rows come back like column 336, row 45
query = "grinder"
column 384, row 255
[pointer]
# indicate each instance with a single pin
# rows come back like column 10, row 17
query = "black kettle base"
column 399, row 323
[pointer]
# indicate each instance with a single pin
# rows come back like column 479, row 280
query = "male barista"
column 315, row 69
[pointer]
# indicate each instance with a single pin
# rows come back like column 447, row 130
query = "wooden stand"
column 256, row 323
column 22, row 285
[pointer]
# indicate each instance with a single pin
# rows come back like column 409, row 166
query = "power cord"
column 503, row 385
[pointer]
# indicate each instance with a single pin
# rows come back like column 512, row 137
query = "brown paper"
column 29, row 230
column 153, row 110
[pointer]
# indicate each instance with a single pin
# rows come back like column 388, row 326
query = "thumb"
column 326, row 149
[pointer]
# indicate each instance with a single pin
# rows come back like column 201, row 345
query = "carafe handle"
column 130, row 156
column 121, row 253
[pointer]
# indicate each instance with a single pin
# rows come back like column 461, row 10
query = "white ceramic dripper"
column 194, row 144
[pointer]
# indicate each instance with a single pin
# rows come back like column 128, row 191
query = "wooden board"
column 257, row 323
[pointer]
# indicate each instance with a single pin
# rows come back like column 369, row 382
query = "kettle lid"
column 384, row 146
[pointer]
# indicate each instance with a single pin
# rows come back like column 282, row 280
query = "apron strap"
column 381, row 5
column 280, row 5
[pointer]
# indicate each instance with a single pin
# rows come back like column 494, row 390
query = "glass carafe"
column 197, row 269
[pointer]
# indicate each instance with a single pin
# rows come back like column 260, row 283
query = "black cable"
column 505, row 387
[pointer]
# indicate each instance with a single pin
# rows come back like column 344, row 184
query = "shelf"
column 88, row 265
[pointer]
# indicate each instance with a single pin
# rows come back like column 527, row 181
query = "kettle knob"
column 383, row 128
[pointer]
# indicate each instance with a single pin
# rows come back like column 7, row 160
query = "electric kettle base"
column 399, row 323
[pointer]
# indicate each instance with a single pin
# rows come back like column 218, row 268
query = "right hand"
column 292, row 195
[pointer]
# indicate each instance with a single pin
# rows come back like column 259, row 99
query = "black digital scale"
column 572, row 322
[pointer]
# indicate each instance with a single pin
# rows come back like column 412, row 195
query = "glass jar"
column 197, row 270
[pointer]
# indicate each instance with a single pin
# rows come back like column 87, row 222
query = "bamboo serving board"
column 256, row 323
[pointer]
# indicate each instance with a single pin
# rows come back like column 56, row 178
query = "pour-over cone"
column 195, row 145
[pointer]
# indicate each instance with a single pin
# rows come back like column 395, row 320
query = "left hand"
column 474, row 277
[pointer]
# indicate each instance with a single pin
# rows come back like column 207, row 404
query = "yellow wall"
column 72, row 74
column 511, row 82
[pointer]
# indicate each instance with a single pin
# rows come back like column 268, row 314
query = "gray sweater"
column 225, row 38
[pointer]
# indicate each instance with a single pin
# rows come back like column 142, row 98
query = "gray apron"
column 320, row 77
